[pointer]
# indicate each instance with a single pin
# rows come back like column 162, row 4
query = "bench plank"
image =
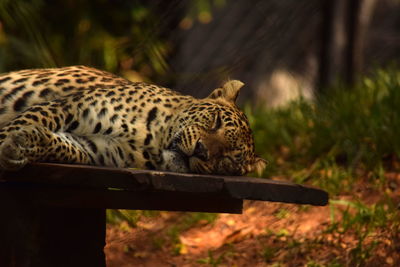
column 92, row 198
column 236, row 187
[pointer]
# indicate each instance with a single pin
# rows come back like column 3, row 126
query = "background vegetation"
column 42, row 33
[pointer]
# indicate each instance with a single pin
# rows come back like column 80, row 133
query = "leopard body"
column 83, row 115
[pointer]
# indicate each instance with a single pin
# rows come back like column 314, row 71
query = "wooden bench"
column 54, row 214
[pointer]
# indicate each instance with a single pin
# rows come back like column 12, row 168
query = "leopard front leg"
column 26, row 139
column 20, row 145
column 14, row 151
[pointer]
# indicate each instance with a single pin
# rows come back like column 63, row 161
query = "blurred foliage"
column 113, row 35
column 344, row 131
column 130, row 38
column 200, row 10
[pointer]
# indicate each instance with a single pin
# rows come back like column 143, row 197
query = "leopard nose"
column 200, row 151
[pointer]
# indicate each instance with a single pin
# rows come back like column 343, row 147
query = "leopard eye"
column 200, row 151
column 217, row 122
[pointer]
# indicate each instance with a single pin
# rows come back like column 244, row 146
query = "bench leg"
column 50, row 236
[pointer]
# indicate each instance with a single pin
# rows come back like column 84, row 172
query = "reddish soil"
column 266, row 234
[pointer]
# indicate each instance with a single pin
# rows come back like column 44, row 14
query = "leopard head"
column 212, row 136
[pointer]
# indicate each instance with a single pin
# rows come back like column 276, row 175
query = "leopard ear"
column 259, row 165
column 229, row 91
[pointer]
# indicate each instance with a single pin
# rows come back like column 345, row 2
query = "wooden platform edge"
column 237, row 187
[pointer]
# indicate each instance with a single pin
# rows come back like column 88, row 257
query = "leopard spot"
column 97, row 128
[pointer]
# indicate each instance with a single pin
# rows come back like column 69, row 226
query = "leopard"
column 83, row 115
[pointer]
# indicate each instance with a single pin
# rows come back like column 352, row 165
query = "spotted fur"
column 86, row 116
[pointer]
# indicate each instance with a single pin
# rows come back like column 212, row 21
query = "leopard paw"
column 13, row 152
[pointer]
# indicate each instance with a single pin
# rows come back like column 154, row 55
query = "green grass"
column 129, row 216
column 346, row 130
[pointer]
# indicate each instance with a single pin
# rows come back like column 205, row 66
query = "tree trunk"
column 344, row 31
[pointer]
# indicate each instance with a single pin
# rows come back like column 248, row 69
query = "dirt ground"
column 266, row 234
